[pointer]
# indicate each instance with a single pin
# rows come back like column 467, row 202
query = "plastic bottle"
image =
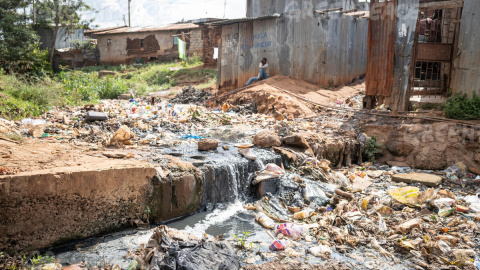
column 292, row 230
column 448, row 238
column 265, row 220
column 303, row 214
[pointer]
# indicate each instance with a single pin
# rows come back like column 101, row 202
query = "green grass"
column 31, row 96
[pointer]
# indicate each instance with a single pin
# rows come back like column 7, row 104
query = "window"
column 109, row 42
column 141, row 43
column 175, row 40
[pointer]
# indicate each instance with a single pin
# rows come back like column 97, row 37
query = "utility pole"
column 224, row 8
column 129, row 25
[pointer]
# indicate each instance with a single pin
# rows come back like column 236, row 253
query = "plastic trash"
column 448, row 239
column 265, row 221
column 405, row 195
column 313, row 193
column 190, row 136
column 443, row 246
column 477, row 264
column 382, row 226
column 472, row 199
column 341, row 180
column 34, row 122
column 444, row 202
column 96, row 116
column 464, row 256
column 320, row 251
column 292, row 230
column 271, row 171
column 303, row 214
column 278, row 245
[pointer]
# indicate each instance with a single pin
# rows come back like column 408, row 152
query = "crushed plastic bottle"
column 303, row 214
column 265, row 220
column 292, row 230
column 278, row 245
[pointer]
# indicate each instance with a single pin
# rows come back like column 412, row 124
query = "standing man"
column 263, row 74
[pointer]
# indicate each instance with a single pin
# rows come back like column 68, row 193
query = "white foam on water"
column 234, row 184
column 218, row 216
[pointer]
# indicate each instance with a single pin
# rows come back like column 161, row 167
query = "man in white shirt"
column 263, row 74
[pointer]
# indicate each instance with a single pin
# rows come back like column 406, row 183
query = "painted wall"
column 258, row 8
column 324, row 50
column 466, row 72
column 117, row 52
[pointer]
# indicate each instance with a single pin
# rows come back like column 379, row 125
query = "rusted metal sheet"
column 381, row 48
column 407, row 15
column 434, row 52
column 466, row 71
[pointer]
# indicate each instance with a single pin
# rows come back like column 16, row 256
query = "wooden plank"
column 434, row 52
column 441, row 5
column 380, row 50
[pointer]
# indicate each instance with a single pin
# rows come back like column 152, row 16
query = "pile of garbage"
column 362, row 208
column 191, row 95
column 169, row 249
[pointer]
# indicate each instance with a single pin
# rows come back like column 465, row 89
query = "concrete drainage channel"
column 218, row 204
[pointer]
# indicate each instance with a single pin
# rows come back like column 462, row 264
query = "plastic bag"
column 341, row 180
column 320, row 251
column 444, row 202
column 405, row 195
column 265, row 220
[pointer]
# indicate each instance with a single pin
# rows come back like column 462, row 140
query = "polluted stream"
column 223, row 212
column 357, row 226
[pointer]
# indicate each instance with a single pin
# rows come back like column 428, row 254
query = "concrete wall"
column 466, row 71
column 46, row 208
column 257, row 8
column 160, row 46
column 64, row 38
column 324, row 50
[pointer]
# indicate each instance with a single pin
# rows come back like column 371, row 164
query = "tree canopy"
column 19, row 52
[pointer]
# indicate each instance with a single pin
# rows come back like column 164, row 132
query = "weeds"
column 22, row 97
column 241, row 241
column 373, row 149
column 461, row 107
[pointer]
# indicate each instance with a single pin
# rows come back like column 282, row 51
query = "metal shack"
column 325, row 47
column 422, row 51
column 150, row 43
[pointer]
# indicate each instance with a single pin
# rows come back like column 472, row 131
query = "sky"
column 161, row 12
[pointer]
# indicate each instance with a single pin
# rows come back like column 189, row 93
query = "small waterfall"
column 227, row 180
column 233, row 180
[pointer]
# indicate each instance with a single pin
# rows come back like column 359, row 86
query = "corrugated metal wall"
column 466, row 72
column 317, row 49
column 64, row 38
column 258, row 8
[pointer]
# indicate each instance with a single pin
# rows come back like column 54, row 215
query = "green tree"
column 19, row 52
column 61, row 13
